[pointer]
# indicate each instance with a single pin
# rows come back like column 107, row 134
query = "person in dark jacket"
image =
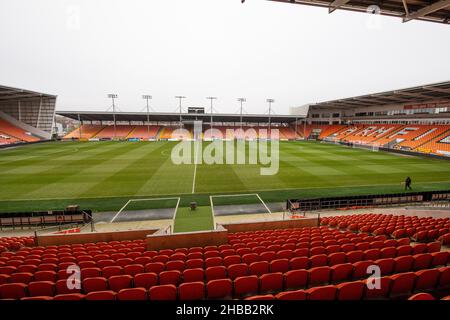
column 408, row 183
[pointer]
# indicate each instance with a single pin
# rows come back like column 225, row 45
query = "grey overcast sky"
column 83, row 50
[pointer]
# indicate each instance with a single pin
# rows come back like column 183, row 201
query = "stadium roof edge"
column 173, row 116
column 11, row 93
column 424, row 93
column 437, row 11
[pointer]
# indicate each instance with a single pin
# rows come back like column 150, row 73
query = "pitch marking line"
column 149, row 199
column 264, row 204
column 195, row 166
column 235, row 195
column 175, row 215
column 212, row 211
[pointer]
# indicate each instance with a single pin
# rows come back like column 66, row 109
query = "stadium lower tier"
column 10, row 134
column 333, row 261
column 433, row 139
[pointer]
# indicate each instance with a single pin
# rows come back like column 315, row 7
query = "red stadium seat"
column 341, row 272
column 386, row 265
column 13, row 291
column 355, row 256
column 145, row 280
column 230, row 260
column 271, row 282
column 351, row 290
column 259, row 268
column 261, row 297
column 219, row 289
column 250, row 258
column 175, row 265
column 372, row 254
column 213, row 262
column 45, row 276
column 389, row 252
column 170, row 277
column 439, row 258
column 216, row 272
column 360, row 269
column 193, row 275
column 101, row 295
column 90, row 273
column 154, row 267
column 279, row 265
column 444, row 279
column 403, row 264
column 244, row 286
column 295, row 279
column 421, row 296
column 133, row 269
column 110, row 271
column 62, row 287
column 434, row 246
column 192, row 291
column 163, row 292
column 37, row 298
column 319, row 275
column 21, row 277
column 132, row 294
column 95, row 284
column 69, row 296
column 322, row 293
column 194, row 263
column 404, row 250
column 426, row 279
column 41, row 288
column 422, row 261
column 237, row 270
column 292, row 295
column 318, row 260
column 299, row 263
column 337, row 258
column 380, row 292
column 402, row 284
column 117, row 283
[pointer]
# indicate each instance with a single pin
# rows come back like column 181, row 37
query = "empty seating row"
column 299, row 275
column 297, row 259
column 387, row 286
column 227, row 256
column 420, row 229
column 400, row 285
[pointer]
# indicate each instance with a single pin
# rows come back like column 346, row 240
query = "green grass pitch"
column 104, row 175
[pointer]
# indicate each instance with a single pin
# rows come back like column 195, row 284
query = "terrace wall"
column 270, row 225
column 57, row 239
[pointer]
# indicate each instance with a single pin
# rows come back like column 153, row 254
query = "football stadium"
column 341, row 199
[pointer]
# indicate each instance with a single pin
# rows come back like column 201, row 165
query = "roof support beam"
column 19, row 96
column 427, row 10
column 336, row 4
column 405, row 5
column 438, row 89
column 415, row 95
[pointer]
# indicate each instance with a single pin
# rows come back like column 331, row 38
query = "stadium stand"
column 311, row 263
column 110, row 132
column 11, row 134
column 144, row 132
column 88, row 131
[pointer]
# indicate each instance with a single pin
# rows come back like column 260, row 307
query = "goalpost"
column 371, row 147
